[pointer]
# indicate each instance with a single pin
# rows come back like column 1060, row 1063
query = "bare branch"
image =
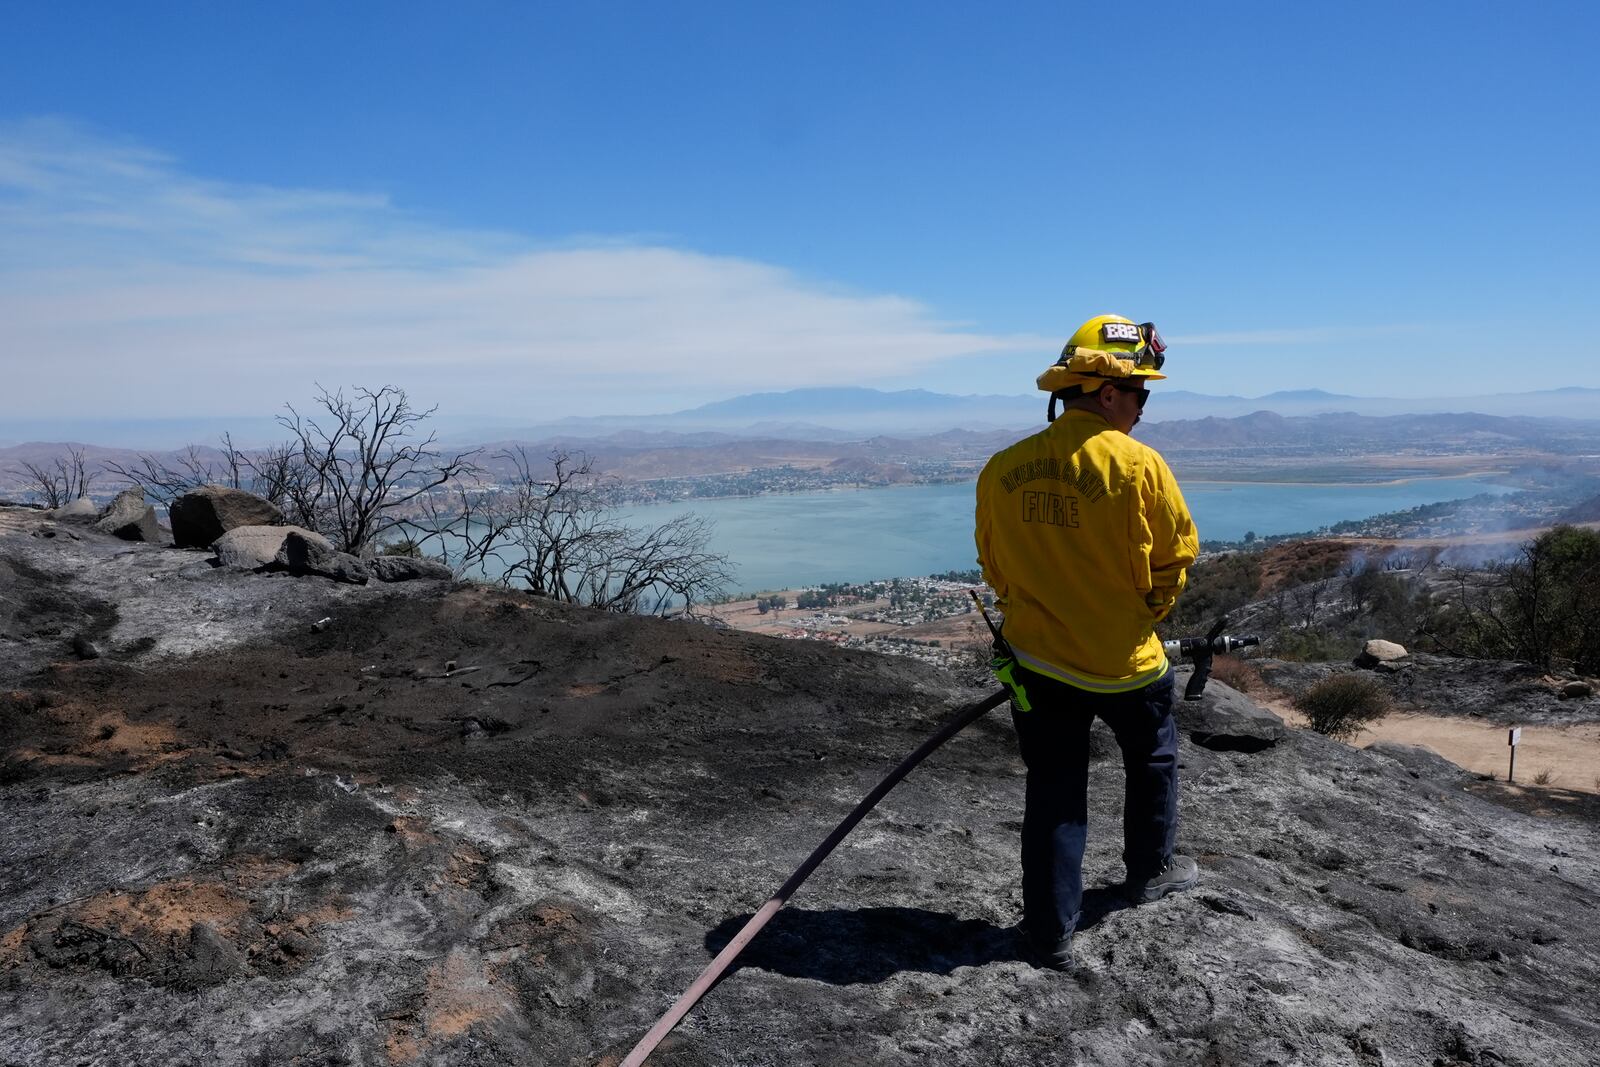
column 165, row 483
column 354, row 470
column 553, row 531
column 64, row 481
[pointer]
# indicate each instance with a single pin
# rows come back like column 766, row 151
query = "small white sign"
column 1516, row 735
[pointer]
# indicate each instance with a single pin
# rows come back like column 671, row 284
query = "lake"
column 859, row 534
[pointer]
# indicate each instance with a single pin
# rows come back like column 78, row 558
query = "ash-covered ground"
column 460, row 826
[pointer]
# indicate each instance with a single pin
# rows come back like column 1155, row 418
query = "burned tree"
column 1542, row 607
column 189, row 469
column 350, row 470
column 554, row 531
column 64, row 481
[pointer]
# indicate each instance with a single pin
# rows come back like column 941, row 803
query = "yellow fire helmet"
column 1107, row 346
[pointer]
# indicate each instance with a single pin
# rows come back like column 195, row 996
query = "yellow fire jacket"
column 1085, row 539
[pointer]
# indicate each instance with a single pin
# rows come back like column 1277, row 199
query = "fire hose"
column 1198, row 649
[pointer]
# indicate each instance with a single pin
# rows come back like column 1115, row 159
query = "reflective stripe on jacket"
column 1085, row 539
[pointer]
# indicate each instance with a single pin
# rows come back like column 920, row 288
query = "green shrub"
column 1215, row 588
column 404, row 546
column 1543, row 607
column 1313, row 645
column 1340, row 706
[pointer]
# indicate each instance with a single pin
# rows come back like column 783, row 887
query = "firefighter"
column 1086, row 540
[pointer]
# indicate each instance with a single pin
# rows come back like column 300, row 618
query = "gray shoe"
column 1179, row 873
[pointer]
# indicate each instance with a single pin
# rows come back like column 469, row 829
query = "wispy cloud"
column 126, row 281
column 1314, row 335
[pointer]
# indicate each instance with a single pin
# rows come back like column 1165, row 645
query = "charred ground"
column 461, row 826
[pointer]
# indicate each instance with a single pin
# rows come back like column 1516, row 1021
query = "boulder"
column 80, row 510
column 407, row 568
column 1225, row 719
column 201, row 516
column 253, row 548
column 1577, row 690
column 212, row 958
column 130, row 518
column 1377, row 651
column 301, row 555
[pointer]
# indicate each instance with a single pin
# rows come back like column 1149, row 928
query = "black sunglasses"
column 1144, row 394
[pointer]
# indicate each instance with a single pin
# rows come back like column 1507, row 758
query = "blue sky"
column 521, row 210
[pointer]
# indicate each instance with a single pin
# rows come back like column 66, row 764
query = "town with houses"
column 933, row 619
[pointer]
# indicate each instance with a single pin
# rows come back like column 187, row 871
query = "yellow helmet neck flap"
column 1084, row 367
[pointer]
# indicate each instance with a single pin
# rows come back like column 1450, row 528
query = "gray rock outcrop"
column 1224, row 719
column 139, row 602
column 1422, row 762
column 130, row 518
column 201, row 516
column 252, row 548
column 407, row 568
column 301, row 555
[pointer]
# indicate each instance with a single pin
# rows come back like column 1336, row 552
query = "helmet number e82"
column 1122, row 331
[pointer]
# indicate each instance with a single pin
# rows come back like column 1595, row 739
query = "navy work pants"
column 1054, row 739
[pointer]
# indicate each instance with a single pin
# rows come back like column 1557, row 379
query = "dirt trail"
column 1570, row 755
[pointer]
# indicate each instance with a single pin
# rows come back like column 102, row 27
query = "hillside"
column 277, row 820
column 1253, row 447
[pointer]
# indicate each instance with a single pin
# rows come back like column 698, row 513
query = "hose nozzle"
column 1201, row 650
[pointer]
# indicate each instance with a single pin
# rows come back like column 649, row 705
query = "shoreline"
column 1230, row 483
column 1355, row 485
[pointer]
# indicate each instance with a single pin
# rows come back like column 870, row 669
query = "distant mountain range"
column 855, row 413
column 828, row 414
column 1573, row 402
column 1345, row 433
column 1209, row 446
